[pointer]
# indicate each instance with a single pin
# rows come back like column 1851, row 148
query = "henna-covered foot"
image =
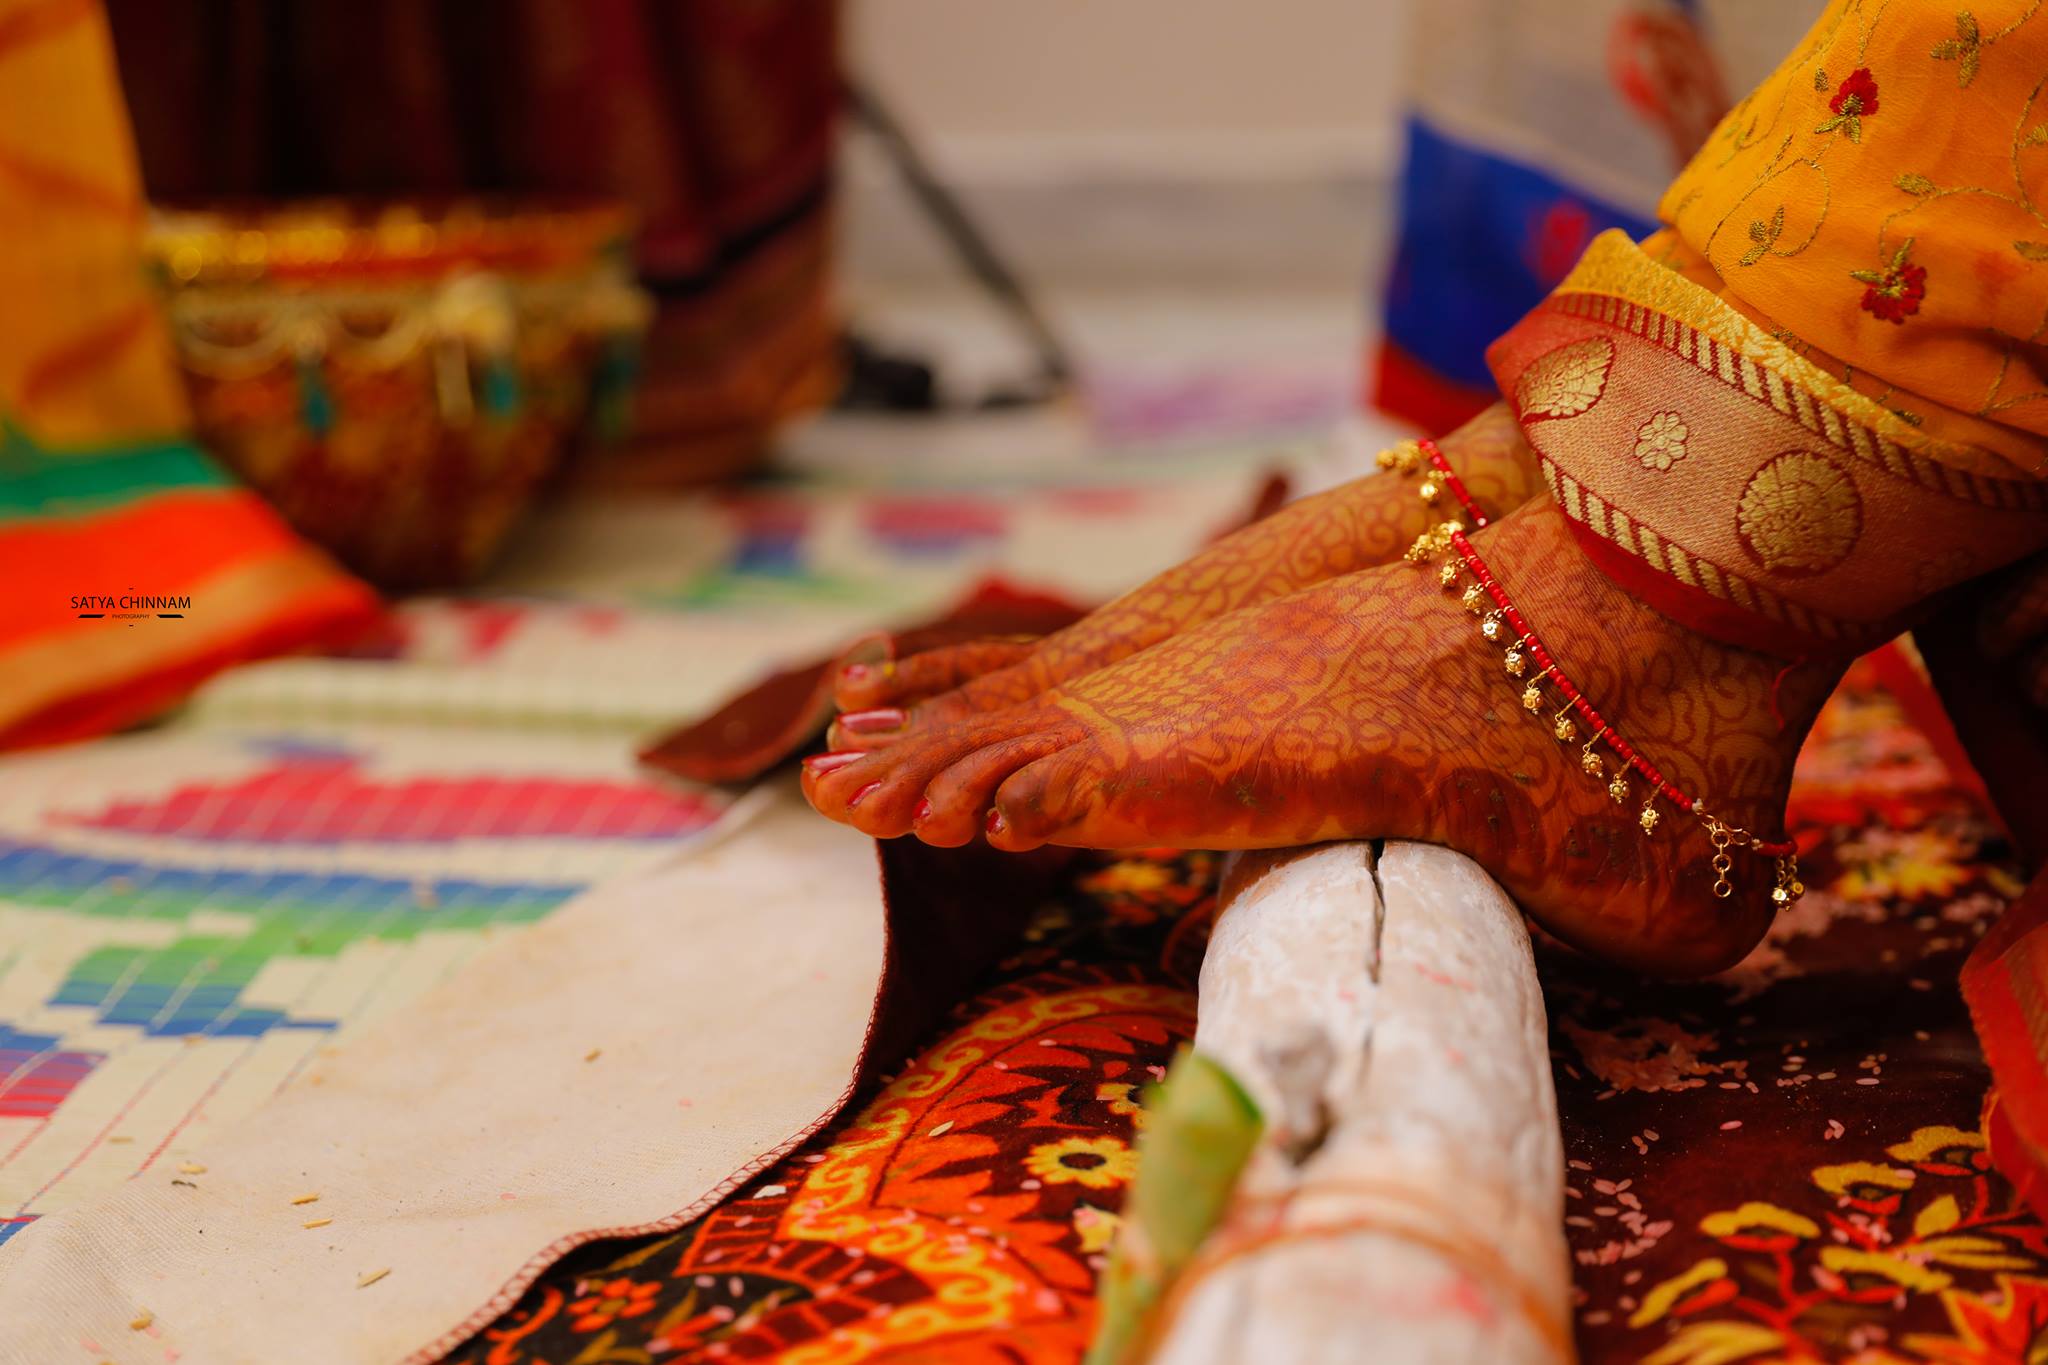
column 1365, row 522
column 1368, row 706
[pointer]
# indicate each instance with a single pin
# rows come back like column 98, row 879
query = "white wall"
column 1136, row 141
column 1202, row 86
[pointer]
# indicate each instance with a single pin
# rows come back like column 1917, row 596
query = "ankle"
column 1721, row 723
column 1494, row 460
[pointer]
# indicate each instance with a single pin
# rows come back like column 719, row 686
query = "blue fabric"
column 1481, row 240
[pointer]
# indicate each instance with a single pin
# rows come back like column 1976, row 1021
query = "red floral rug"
column 1780, row 1164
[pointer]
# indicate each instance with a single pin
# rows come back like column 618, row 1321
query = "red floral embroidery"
column 1855, row 100
column 1899, row 295
column 1857, row 94
column 1893, row 294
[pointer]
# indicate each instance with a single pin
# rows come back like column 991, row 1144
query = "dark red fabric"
column 1703, row 612
column 714, row 117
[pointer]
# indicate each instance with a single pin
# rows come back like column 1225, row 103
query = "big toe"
column 1055, row 799
column 959, row 801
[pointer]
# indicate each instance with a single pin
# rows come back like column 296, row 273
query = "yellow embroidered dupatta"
column 1820, row 396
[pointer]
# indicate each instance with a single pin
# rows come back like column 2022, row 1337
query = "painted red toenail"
column 854, row 673
column 863, row 794
column 820, row 764
column 873, row 722
column 923, row 811
column 996, row 823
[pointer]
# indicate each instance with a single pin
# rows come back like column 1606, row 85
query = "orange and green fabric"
column 134, row 567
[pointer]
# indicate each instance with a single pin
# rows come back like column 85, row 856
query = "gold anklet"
column 1504, row 625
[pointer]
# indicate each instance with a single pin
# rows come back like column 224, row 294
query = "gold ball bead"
column 1532, row 698
column 1403, row 457
column 1447, row 575
column 1428, row 492
column 1474, row 595
column 1780, row 896
column 1490, row 627
column 1566, row 728
column 1514, row 663
column 1591, row 763
column 1648, row 819
column 1618, row 789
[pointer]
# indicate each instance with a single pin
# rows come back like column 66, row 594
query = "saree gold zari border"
column 1595, row 514
column 1732, row 483
column 1616, row 283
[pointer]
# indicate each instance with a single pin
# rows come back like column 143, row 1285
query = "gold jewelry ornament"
column 1404, row 458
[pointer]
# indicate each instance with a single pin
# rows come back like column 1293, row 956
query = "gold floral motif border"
column 1617, row 284
column 1616, row 527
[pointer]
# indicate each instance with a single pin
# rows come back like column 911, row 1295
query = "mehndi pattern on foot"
column 1366, row 522
column 1357, row 708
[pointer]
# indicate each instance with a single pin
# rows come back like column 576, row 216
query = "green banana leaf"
column 1200, row 1129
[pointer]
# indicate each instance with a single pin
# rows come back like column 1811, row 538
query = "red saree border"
column 2005, row 985
column 1819, row 416
column 1731, row 482
column 1688, row 588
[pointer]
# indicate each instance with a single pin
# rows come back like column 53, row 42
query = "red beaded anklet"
column 1450, row 537
column 1410, row 456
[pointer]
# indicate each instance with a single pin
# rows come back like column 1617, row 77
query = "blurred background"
column 444, row 447
column 778, row 320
